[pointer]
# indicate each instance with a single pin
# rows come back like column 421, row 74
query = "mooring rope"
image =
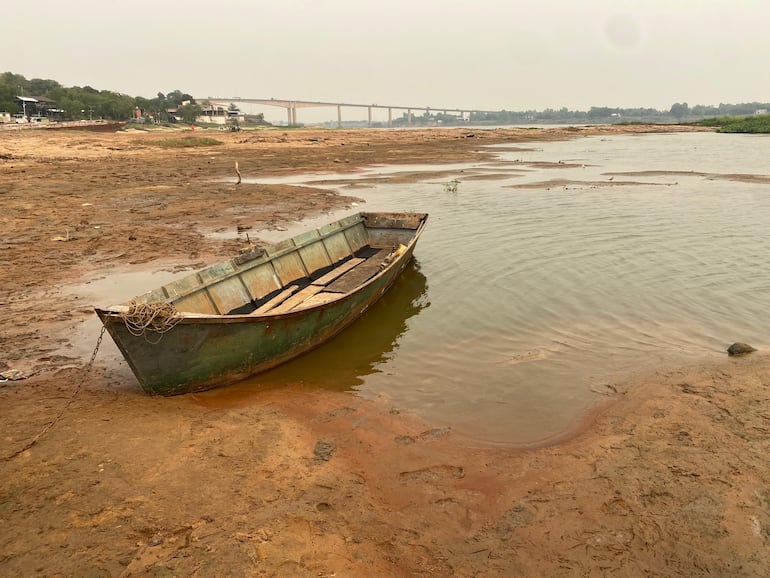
column 157, row 317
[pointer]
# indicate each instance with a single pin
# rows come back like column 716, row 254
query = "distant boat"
column 264, row 307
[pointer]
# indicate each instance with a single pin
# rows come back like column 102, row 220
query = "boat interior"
column 307, row 270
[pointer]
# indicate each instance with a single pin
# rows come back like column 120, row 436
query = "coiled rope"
column 158, row 318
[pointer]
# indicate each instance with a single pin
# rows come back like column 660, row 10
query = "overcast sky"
column 483, row 54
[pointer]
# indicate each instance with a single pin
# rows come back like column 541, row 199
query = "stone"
column 323, row 450
column 740, row 349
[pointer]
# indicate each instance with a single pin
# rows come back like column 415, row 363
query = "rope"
column 158, row 317
column 55, row 420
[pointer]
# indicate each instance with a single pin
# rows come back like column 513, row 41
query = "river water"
column 549, row 275
column 553, row 273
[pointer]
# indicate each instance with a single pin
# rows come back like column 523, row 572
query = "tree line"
column 677, row 113
column 85, row 102
column 76, row 102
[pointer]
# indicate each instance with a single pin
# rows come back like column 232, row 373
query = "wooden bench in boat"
column 276, row 301
column 329, row 286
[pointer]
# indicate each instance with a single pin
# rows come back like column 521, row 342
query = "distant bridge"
column 291, row 107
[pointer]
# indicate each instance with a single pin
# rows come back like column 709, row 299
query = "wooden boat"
column 264, row 307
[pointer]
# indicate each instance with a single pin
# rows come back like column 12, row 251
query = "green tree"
column 679, row 110
column 42, row 87
column 8, row 102
column 142, row 103
column 177, row 97
column 189, row 112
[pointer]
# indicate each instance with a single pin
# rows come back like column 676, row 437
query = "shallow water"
column 551, row 273
column 536, row 288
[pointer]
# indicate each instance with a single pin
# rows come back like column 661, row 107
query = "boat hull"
column 204, row 352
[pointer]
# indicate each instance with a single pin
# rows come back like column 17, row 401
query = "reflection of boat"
column 264, row 307
column 360, row 349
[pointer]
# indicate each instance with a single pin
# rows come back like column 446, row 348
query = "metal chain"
column 88, row 368
column 90, row 363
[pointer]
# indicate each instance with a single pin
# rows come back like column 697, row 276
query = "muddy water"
column 551, row 274
column 554, row 273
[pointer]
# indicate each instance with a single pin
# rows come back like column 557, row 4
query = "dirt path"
column 669, row 479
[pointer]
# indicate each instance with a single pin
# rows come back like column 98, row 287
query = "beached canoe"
column 264, row 307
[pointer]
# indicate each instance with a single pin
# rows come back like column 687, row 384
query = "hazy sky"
column 484, row 54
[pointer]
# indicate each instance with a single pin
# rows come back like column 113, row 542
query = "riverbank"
column 669, row 478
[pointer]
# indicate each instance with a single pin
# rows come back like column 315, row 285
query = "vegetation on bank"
column 759, row 124
column 678, row 113
column 79, row 103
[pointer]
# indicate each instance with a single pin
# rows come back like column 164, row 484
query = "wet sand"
column 668, row 478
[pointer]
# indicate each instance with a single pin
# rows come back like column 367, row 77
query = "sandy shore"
column 669, row 477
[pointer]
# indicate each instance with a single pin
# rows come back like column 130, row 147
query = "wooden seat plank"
column 339, row 271
column 360, row 274
column 342, row 279
column 275, row 301
column 297, row 299
column 320, row 298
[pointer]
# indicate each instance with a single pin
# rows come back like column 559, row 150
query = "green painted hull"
column 202, row 350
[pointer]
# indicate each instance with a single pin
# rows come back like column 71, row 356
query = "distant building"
column 215, row 113
column 37, row 109
column 211, row 113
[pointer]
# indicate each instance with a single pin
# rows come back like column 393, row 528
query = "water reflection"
column 360, row 350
